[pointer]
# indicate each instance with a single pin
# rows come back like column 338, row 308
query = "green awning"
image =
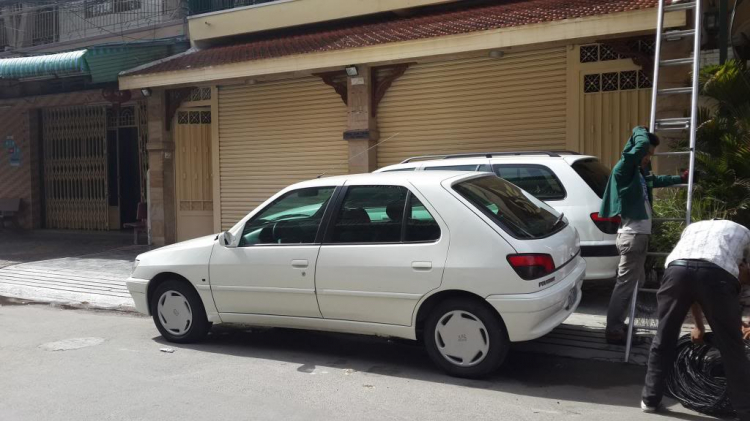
column 59, row 65
column 102, row 63
column 107, row 61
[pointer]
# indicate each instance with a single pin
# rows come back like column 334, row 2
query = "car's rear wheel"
column 178, row 312
column 465, row 338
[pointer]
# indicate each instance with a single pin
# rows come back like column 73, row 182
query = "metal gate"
column 75, row 168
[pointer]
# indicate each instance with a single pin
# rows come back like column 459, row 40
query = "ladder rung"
column 672, row 153
column 674, row 91
column 676, row 121
column 675, row 35
column 676, row 62
column 671, row 128
column 679, row 6
column 669, row 219
column 648, row 290
column 650, row 328
column 657, row 253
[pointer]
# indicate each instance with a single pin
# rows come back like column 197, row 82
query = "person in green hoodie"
column 629, row 195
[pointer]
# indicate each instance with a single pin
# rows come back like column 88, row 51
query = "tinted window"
column 420, row 225
column 452, row 168
column 594, row 173
column 291, row 219
column 514, row 210
column 375, row 214
column 535, row 179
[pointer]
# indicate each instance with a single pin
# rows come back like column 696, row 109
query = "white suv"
column 466, row 262
column 569, row 182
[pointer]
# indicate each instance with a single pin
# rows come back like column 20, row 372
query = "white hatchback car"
column 466, row 262
column 571, row 183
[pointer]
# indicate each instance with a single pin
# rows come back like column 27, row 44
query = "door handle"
column 421, row 265
column 299, row 264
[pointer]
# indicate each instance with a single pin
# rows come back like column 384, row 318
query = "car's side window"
column 420, row 225
column 538, row 180
column 370, row 214
column 294, row 218
column 379, row 214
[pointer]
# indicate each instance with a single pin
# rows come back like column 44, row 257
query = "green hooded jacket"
column 624, row 194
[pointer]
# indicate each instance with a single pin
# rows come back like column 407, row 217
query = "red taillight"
column 532, row 266
column 606, row 225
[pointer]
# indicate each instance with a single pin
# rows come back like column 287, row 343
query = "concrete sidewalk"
column 89, row 281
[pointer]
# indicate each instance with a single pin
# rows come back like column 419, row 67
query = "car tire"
column 465, row 338
column 178, row 312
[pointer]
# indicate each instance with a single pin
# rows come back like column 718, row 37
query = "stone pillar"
column 160, row 146
column 361, row 129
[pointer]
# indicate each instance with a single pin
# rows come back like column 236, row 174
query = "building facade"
column 74, row 145
column 307, row 88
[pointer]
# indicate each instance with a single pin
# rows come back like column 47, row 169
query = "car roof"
column 415, row 177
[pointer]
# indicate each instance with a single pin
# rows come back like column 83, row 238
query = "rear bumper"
column 602, row 259
column 530, row 316
column 598, row 268
column 138, row 288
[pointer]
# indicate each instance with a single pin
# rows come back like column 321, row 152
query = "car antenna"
column 366, row 150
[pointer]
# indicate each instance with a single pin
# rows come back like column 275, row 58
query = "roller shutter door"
column 516, row 102
column 273, row 135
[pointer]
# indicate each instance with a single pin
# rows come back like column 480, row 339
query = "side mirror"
column 226, row 239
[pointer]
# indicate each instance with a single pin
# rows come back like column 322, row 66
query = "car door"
column 384, row 249
column 271, row 270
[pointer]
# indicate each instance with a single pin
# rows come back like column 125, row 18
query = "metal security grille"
column 75, row 168
column 474, row 105
column 275, row 134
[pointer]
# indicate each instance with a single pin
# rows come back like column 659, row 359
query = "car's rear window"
column 514, row 210
column 594, row 173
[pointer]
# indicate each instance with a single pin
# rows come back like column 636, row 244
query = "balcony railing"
column 24, row 25
column 196, row 7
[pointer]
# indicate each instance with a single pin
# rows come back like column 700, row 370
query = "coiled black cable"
column 697, row 379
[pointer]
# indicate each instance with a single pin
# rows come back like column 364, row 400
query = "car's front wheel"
column 178, row 312
column 465, row 338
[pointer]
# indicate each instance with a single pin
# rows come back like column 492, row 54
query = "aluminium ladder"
column 673, row 124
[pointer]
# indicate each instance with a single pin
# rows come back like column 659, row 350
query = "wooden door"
column 193, row 184
column 613, row 103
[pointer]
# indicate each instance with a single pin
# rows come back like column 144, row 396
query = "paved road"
column 117, row 372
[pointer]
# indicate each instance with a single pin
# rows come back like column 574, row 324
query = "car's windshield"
column 514, row 210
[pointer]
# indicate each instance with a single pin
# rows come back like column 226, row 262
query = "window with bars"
column 46, row 29
column 199, row 94
column 194, row 117
column 3, row 35
column 94, row 8
column 593, row 53
column 616, row 81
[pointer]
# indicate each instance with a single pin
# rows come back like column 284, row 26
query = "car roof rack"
column 553, row 154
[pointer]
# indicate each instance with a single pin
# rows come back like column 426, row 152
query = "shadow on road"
column 29, row 246
column 523, row 372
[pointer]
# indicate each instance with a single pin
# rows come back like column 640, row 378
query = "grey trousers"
column 630, row 273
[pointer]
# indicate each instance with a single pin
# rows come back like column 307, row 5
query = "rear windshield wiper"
column 559, row 219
